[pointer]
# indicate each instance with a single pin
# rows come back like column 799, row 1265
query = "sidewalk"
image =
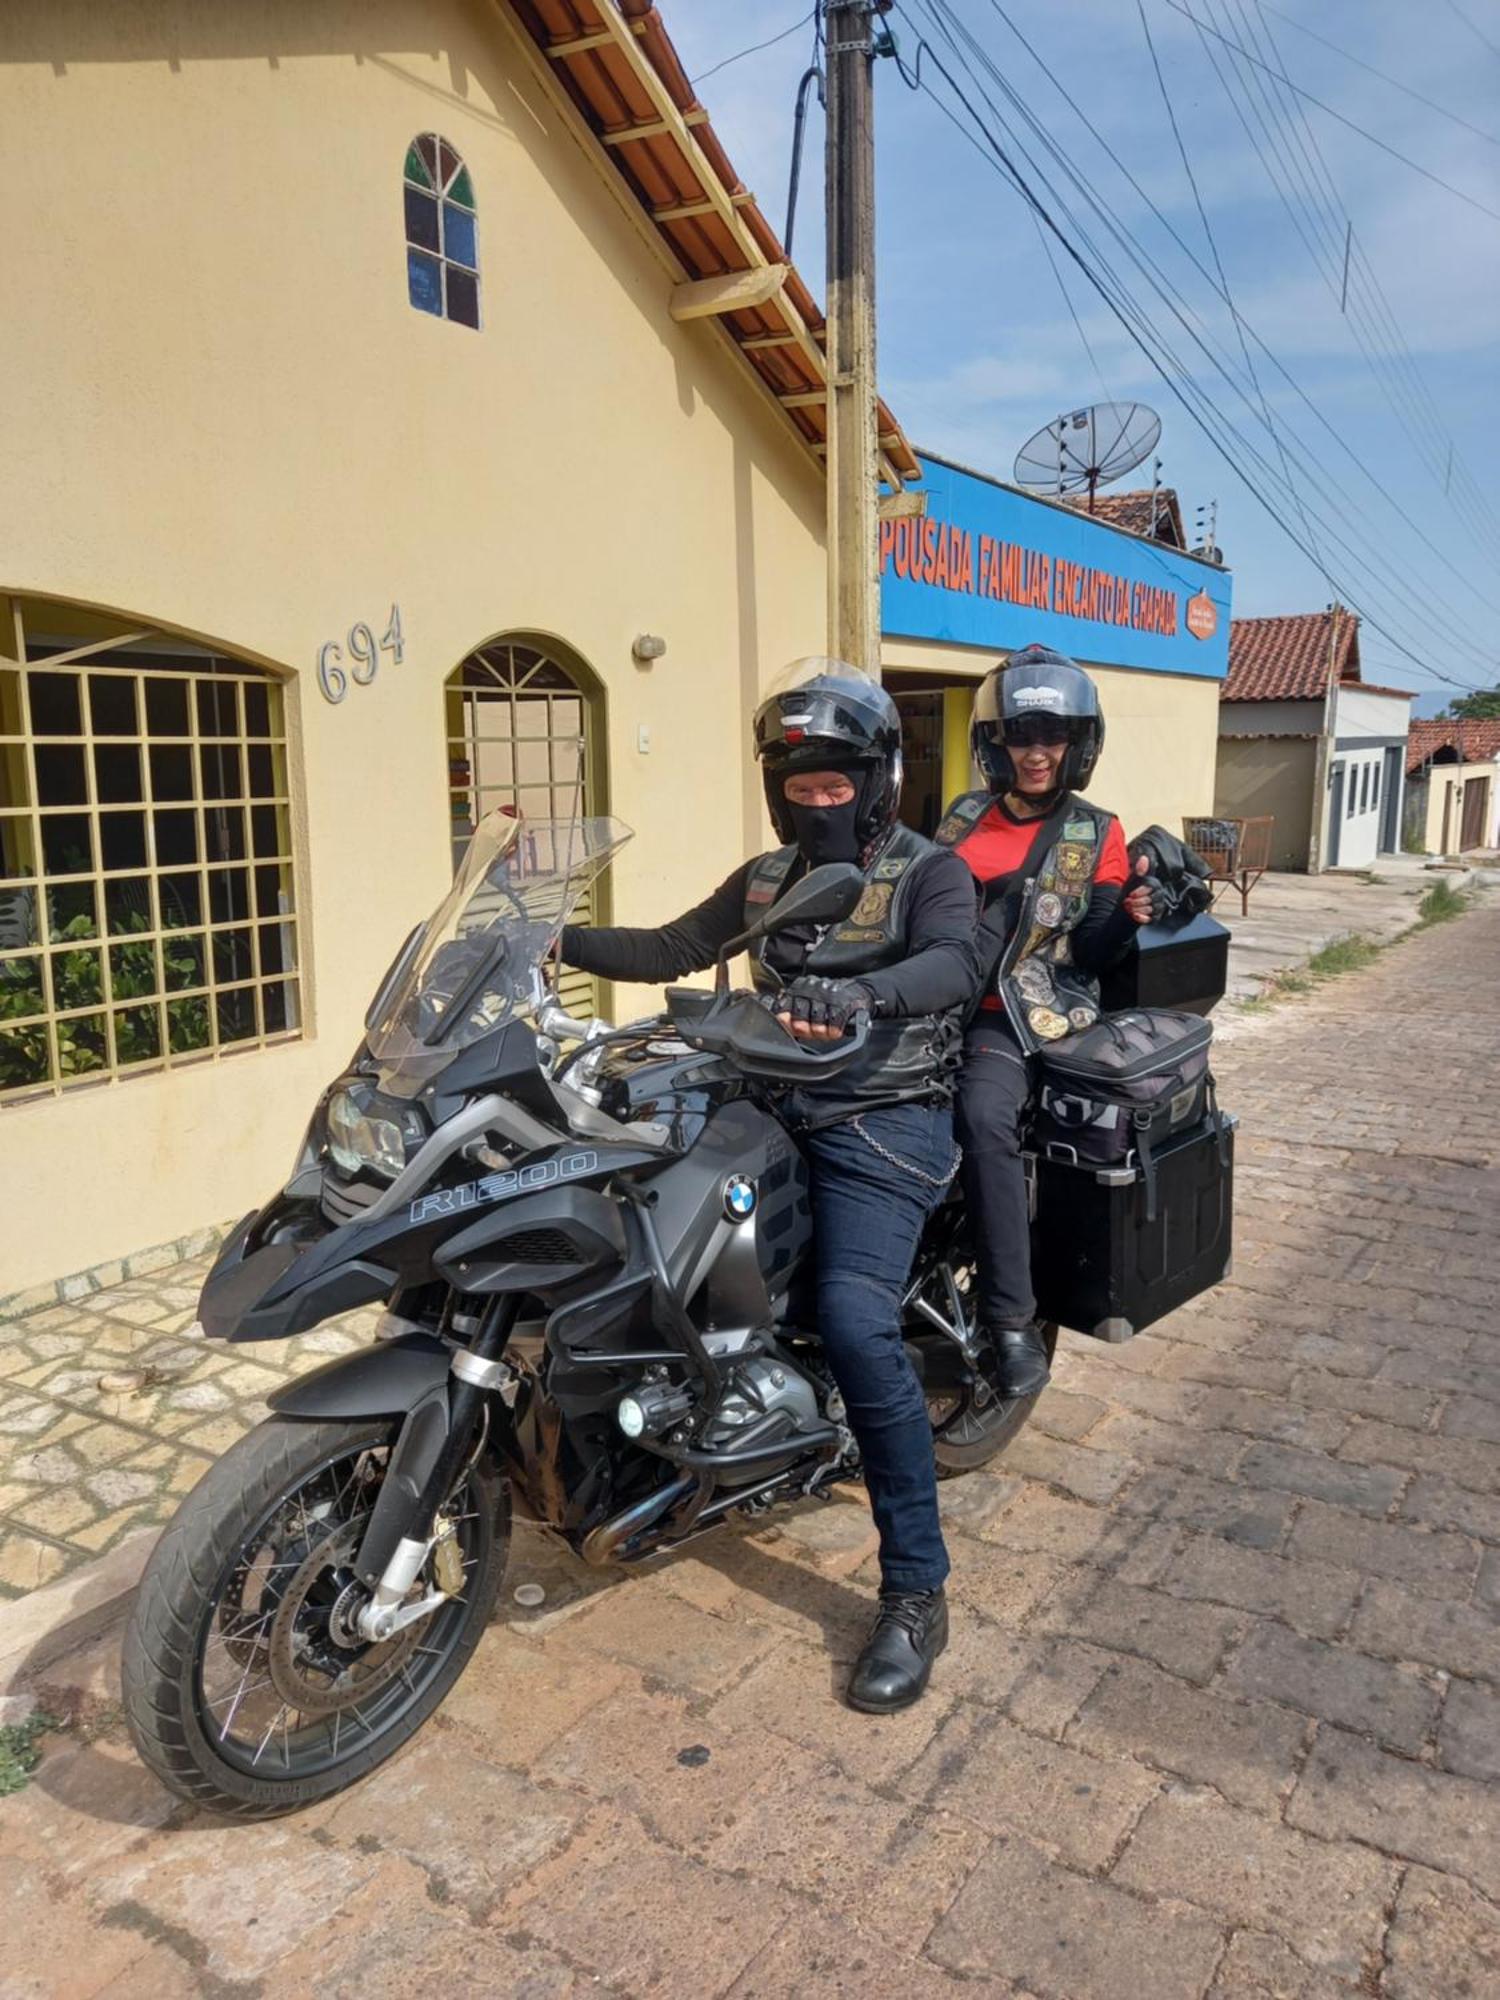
column 1291, row 917
column 1218, row 1722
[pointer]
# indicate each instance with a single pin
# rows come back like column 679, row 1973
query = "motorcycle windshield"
column 479, row 961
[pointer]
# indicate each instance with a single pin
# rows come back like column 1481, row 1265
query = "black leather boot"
column 1019, row 1366
column 893, row 1670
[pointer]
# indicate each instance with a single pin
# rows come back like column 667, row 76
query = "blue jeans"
column 868, row 1214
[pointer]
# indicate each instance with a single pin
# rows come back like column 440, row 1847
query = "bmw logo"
column 739, row 1198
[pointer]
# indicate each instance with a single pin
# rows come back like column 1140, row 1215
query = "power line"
column 1041, row 236
column 1474, row 27
column 754, row 50
column 1204, row 412
column 1325, row 253
column 1163, row 284
column 1415, row 165
column 1407, row 398
column 1265, row 7
column 1187, row 168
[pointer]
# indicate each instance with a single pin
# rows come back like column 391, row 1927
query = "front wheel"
column 247, row 1686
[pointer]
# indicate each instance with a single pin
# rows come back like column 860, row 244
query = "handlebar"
column 740, row 1027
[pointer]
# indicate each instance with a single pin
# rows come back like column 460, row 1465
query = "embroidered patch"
column 1078, row 829
column 1072, row 862
column 893, row 869
column 854, row 935
column 1049, row 1025
column 1049, row 909
column 873, row 904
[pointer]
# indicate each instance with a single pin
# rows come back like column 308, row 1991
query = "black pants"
column 992, row 1097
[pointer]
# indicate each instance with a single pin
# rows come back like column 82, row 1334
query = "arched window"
column 524, row 727
column 442, row 237
column 148, row 915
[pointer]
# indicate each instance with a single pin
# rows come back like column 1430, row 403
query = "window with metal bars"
column 521, row 736
column 442, row 232
column 147, row 905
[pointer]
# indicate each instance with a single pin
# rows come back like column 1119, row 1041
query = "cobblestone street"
column 1221, row 1715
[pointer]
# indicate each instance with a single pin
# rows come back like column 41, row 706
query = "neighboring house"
column 1304, row 738
column 1453, row 786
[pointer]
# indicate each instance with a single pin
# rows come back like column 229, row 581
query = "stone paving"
column 111, row 1409
column 1219, row 1720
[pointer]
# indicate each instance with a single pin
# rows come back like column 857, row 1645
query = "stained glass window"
column 442, row 236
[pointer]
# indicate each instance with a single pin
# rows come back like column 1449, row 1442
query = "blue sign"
column 990, row 567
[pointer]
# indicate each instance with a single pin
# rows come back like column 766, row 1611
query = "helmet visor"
column 1051, row 732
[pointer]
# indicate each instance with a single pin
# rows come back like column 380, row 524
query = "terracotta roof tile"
column 1132, row 511
column 616, row 61
column 1290, row 658
column 1474, row 742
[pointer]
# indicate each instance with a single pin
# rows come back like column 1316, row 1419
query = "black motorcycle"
column 592, row 1244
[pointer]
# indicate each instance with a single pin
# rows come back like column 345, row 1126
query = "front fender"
column 383, row 1380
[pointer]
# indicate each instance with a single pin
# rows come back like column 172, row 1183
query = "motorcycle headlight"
column 361, row 1137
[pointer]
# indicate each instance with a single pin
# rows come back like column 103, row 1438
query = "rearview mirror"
column 825, row 895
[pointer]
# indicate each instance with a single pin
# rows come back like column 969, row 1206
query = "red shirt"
column 998, row 844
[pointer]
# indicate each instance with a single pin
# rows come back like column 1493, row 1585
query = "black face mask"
column 826, row 833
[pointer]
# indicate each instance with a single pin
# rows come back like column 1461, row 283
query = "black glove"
column 1162, row 899
column 823, row 1003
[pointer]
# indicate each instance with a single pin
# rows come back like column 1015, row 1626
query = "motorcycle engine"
column 765, row 1399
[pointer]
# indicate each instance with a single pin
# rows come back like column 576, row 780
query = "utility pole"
column 1321, row 831
column 853, row 444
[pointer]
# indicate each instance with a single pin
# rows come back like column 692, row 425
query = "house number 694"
column 364, row 656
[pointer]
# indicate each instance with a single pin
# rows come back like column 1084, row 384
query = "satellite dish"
column 1088, row 448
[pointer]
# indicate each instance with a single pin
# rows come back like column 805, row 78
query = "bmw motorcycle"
column 593, row 1245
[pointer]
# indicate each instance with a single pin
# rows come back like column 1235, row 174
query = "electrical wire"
column 754, row 50
column 1415, row 165
column 1204, row 413
column 1265, row 7
column 1474, row 27
column 1362, row 301
column 1239, row 326
column 1163, row 285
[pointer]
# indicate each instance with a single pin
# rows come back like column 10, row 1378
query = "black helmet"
column 823, row 714
column 1036, row 683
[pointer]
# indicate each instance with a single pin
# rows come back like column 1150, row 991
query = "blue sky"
column 977, row 347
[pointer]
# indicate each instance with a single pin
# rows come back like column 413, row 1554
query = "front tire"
column 246, row 1688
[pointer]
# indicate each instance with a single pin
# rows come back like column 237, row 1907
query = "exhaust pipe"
column 602, row 1545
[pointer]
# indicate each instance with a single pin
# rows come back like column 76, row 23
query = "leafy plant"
column 19, row 1752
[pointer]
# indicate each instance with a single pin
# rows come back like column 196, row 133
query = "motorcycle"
column 592, row 1244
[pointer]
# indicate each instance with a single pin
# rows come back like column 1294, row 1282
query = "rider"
column 1053, row 874
column 878, row 1137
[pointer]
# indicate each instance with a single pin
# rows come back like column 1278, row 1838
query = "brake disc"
column 317, row 1661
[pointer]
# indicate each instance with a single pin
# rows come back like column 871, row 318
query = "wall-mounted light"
column 648, row 647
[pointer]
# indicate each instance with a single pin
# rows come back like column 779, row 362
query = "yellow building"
column 377, row 379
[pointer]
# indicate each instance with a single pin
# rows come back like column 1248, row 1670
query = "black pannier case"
column 1101, row 1265
column 1185, row 968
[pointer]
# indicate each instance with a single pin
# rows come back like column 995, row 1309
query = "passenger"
column 878, row 1136
column 1056, row 911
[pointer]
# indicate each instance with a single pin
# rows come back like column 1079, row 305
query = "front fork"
column 428, row 1459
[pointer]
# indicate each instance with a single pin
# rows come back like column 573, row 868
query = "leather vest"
column 1045, row 996
column 904, row 1060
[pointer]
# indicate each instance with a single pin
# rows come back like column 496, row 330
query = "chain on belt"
column 905, row 1166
